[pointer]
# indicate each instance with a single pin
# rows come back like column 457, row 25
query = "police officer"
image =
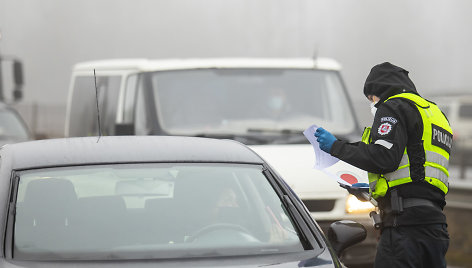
column 406, row 154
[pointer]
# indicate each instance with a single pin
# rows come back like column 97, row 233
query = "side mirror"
column 124, row 129
column 15, row 84
column 17, row 94
column 18, row 79
column 18, row 73
column 345, row 233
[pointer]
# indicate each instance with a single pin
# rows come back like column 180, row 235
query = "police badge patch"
column 384, row 129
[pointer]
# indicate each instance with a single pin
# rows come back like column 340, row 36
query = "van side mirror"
column 14, row 86
column 17, row 94
column 124, row 129
column 18, row 73
column 345, row 233
column 18, row 80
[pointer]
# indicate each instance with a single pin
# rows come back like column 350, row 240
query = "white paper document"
column 323, row 160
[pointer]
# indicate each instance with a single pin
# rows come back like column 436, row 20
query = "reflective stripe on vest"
column 437, row 141
column 435, row 167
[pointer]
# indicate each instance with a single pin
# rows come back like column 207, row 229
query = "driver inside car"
column 227, row 207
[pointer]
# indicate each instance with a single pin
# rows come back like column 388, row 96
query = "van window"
column 465, row 111
column 238, row 100
column 83, row 120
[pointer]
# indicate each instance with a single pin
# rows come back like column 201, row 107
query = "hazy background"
column 430, row 38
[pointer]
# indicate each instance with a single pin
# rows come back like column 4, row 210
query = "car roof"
column 148, row 65
column 123, row 149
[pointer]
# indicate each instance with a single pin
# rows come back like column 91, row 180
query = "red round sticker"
column 349, row 178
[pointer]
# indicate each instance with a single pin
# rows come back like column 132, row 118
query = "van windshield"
column 239, row 101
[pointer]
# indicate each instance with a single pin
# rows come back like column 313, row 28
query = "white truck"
column 264, row 103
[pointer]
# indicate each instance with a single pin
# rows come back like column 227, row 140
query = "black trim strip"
column 10, row 219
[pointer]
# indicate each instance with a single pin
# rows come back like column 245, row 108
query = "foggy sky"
column 430, row 38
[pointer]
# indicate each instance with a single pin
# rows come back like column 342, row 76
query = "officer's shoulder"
column 403, row 110
column 398, row 108
column 399, row 104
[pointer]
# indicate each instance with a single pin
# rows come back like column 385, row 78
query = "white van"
column 264, row 103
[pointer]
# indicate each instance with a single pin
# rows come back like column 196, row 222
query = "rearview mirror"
column 124, row 129
column 345, row 233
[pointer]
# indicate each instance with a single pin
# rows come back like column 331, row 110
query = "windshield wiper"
column 284, row 136
column 245, row 139
column 285, row 131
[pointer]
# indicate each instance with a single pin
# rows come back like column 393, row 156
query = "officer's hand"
column 325, row 139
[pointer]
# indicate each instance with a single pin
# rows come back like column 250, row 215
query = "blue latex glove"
column 325, row 139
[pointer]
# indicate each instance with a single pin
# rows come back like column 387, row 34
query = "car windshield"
column 145, row 211
column 11, row 126
column 239, row 101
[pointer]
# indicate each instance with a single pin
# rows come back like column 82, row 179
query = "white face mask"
column 373, row 109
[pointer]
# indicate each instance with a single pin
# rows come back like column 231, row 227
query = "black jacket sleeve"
column 389, row 136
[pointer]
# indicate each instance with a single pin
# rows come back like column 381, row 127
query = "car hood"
column 295, row 164
column 305, row 259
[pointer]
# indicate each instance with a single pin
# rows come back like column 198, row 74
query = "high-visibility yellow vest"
column 437, row 143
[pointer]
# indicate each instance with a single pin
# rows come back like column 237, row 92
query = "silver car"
column 142, row 201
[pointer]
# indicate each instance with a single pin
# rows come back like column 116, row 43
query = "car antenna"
column 98, row 109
